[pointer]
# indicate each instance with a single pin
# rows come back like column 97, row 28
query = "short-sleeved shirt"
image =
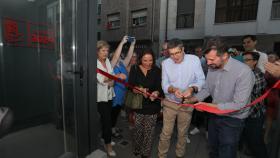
column 119, row 88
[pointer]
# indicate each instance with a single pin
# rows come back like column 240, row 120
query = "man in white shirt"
column 182, row 75
column 249, row 44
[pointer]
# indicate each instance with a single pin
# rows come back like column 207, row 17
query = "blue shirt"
column 119, row 88
column 183, row 75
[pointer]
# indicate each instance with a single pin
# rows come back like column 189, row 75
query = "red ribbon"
column 122, row 82
column 201, row 107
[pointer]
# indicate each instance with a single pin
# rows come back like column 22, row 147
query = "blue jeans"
column 224, row 133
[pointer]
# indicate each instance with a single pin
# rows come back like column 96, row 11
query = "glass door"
column 47, row 77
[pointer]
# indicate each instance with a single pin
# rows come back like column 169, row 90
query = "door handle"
column 80, row 72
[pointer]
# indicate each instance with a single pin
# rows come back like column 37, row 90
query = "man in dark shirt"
column 253, row 130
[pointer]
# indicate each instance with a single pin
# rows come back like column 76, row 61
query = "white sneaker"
column 188, row 139
column 113, row 143
column 112, row 153
column 194, row 131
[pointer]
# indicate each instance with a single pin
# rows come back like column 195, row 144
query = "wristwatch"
column 194, row 89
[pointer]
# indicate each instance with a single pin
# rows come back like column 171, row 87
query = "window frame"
column 113, row 20
column 185, row 15
column 277, row 2
column 145, row 12
column 231, row 7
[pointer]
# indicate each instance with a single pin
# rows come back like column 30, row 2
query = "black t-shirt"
column 152, row 81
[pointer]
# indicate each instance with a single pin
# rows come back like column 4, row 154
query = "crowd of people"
column 214, row 75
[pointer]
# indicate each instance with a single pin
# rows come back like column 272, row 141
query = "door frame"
column 87, row 124
column 94, row 124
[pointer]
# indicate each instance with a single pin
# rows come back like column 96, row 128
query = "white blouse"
column 104, row 93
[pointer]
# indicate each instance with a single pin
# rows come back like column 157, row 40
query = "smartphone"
column 130, row 39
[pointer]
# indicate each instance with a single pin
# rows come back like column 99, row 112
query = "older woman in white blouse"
column 105, row 93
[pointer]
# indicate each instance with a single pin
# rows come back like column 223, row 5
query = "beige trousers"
column 171, row 111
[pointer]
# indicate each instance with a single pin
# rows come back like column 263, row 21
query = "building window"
column 236, row 10
column 98, row 36
column 185, row 13
column 139, row 17
column 113, row 21
column 275, row 10
column 98, row 21
column 99, row 9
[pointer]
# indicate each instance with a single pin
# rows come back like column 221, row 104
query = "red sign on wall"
column 28, row 34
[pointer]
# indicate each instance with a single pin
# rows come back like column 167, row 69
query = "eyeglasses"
column 176, row 53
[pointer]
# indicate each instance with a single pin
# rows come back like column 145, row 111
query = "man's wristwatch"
column 194, row 89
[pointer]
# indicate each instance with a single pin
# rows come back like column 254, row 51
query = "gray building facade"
column 139, row 19
column 228, row 19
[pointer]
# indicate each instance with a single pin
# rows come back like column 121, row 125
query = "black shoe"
column 135, row 153
column 118, row 130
